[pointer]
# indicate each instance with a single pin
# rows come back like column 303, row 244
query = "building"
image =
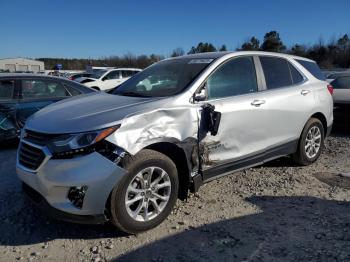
column 21, row 65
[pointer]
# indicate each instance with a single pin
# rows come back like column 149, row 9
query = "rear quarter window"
column 296, row 76
column 313, row 68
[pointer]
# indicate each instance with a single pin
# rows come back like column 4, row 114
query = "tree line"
column 333, row 54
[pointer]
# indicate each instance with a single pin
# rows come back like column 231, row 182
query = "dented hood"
column 88, row 112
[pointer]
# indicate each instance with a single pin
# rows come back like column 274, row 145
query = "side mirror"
column 201, row 96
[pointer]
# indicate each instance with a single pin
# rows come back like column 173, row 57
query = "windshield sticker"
column 201, row 61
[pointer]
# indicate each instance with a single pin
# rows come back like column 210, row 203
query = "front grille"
column 38, row 138
column 30, row 156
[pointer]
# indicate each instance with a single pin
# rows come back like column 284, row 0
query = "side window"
column 341, row 83
column 276, row 71
column 112, row 75
column 6, row 89
column 42, row 89
column 313, row 68
column 235, row 77
column 127, row 73
column 296, row 76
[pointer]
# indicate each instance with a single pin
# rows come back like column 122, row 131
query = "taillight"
column 330, row 89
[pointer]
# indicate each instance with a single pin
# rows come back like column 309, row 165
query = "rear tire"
column 152, row 201
column 311, row 143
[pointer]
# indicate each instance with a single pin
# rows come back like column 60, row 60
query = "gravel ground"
column 275, row 212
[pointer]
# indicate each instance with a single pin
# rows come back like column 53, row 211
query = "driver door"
column 233, row 89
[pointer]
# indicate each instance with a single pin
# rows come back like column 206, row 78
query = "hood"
column 88, row 112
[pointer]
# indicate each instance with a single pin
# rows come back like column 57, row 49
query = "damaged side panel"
column 141, row 130
column 242, row 132
column 177, row 126
column 184, row 127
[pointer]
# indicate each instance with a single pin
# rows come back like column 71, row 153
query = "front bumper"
column 40, row 202
column 55, row 177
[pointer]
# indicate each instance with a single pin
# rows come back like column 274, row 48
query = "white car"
column 341, row 84
column 105, row 80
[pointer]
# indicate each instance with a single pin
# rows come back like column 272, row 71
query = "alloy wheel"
column 313, row 142
column 148, row 194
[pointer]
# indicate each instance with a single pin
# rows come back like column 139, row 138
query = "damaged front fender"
column 141, row 130
column 183, row 126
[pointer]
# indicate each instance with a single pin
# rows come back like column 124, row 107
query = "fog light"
column 76, row 195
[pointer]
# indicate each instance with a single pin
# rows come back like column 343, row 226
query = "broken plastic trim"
column 211, row 119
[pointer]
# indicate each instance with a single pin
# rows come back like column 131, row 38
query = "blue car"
column 21, row 95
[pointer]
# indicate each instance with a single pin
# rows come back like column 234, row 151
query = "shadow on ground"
column 341, row 125
column 10, row 144
column 23, row 224
column 287, row 229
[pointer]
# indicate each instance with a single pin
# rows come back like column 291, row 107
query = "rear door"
column 36, row 93
column 289, row 100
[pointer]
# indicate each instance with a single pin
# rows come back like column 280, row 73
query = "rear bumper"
column 40, row 202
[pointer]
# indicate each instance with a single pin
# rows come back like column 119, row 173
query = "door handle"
column 304, row 92
column 257, row 103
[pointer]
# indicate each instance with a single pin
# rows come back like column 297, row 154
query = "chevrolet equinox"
column 125, row 157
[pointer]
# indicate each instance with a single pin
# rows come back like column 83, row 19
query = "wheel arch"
column 182, row 162
column 320, row 116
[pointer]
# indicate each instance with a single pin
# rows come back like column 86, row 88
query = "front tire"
column 146, row 195
column 310, row 143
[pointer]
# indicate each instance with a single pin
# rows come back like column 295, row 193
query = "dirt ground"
column 275, row 212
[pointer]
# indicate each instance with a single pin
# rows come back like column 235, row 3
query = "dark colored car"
column 21, row 95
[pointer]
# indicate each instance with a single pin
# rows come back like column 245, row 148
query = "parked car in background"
column 127, row 156
column 21, row 95
column 108, row 79
column 341, row 85
column 75, row 76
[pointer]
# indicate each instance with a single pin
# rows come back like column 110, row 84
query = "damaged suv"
column 127, row 156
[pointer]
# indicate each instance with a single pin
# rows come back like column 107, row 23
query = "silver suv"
column 127, row 156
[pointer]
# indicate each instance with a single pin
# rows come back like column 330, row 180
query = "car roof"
column 125, row 68
column 26, row 75
column 215, row 55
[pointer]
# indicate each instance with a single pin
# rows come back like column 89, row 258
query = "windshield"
column 97, row 73
column 165, row 78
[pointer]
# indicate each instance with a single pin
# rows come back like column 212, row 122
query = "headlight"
column 79, row 141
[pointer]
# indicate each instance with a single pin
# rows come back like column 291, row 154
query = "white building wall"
column 21, row 64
